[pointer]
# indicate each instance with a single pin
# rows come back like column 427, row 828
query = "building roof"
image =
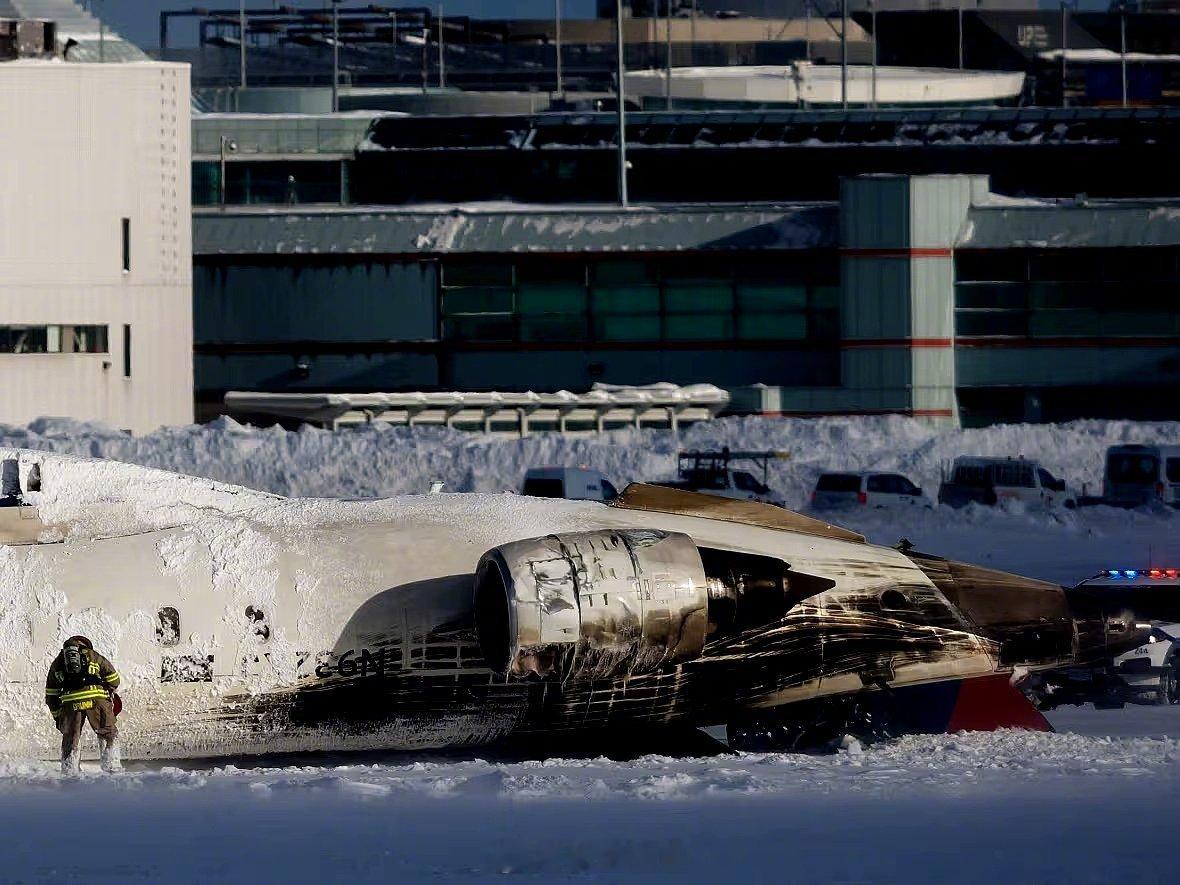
column 508, row 228
column 1071, row 224
column 92, row 41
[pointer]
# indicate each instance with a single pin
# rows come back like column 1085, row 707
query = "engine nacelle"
column 591, row 605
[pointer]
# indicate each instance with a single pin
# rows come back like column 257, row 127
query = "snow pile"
column 380, row 461
column 383, row 461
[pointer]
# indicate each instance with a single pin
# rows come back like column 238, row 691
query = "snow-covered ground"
column 975, row 808
column 1093, row 802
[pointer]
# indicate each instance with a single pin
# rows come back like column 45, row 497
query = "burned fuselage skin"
column 458, row 620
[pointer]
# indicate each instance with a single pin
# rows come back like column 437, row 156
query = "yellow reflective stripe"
column 83, row 695
column 52, row 691
column 114, row 677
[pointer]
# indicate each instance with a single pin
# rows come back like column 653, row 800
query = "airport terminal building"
column 924, row 295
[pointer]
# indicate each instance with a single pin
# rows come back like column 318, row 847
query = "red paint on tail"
column 991, row 702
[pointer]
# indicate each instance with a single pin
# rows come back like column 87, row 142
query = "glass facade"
column 642, row 300
column 1068, row 293
column 267, row 183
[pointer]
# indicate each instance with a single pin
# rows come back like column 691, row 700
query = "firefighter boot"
column 111, row 759
column 71, row 763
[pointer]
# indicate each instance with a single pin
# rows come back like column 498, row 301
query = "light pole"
column 557, row 42
column 621, row 114
column 442, row 64
column 960, row 12
column 844, row 54
column 242, row 42
column 1123, row 46
column 393, row 41
column 668, row 55
column 873, row 20
column 228, row 146
column 335, row 56
column 1064, row 49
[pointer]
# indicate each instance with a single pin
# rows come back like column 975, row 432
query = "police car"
column 1151, row 672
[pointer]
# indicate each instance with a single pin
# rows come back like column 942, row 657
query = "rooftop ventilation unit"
column 27, row 38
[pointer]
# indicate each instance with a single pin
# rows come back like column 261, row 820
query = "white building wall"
column 83, row 146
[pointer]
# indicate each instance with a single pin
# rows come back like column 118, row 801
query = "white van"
column 840, row 490
column 992, row 481
column 574, row 483
column 1138, row 475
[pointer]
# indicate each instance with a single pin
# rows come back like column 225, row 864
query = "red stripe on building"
column 911, row 252
column 877, row 343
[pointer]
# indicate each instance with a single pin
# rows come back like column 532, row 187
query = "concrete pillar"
column 897, row 316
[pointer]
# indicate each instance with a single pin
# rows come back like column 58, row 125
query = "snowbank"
column 383, row 461
column 380, row 461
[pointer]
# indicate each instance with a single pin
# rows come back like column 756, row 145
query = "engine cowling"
column 591, row 605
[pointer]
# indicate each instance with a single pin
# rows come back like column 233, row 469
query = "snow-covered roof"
column 510, row 227
column 694, row 402
column 1078, row 223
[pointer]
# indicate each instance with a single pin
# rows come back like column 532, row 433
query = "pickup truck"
column 713, row 474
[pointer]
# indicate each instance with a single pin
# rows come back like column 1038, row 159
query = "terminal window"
column 53, row 339
column 1068, row 293
column 640, row 300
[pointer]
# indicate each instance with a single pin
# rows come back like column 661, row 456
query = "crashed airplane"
column 248, row 623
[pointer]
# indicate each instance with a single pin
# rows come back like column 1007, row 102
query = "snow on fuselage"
column 270, row 625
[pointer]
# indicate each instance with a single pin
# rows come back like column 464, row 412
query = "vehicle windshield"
column 1132, row 469
column 838, row 482
column 543, row 488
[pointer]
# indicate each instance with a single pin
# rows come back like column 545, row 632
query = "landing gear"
column 1169, row 688
column 815, row 726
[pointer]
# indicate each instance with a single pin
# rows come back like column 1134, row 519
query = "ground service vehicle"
column 1136, row 475
column 712, row 473
column 245, row 622
column 1150, row 672
column 573, row 483
column 992, row 481
column 866, row 489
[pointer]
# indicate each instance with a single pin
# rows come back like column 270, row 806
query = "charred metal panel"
column 1030, row 619
column 591, row 605
column 658, row 499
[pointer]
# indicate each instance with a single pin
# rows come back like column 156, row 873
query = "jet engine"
column 591, row 605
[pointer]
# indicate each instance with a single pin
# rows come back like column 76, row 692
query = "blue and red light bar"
column 1149, row 573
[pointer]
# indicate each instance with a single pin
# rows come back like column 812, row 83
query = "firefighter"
column 80, row 687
